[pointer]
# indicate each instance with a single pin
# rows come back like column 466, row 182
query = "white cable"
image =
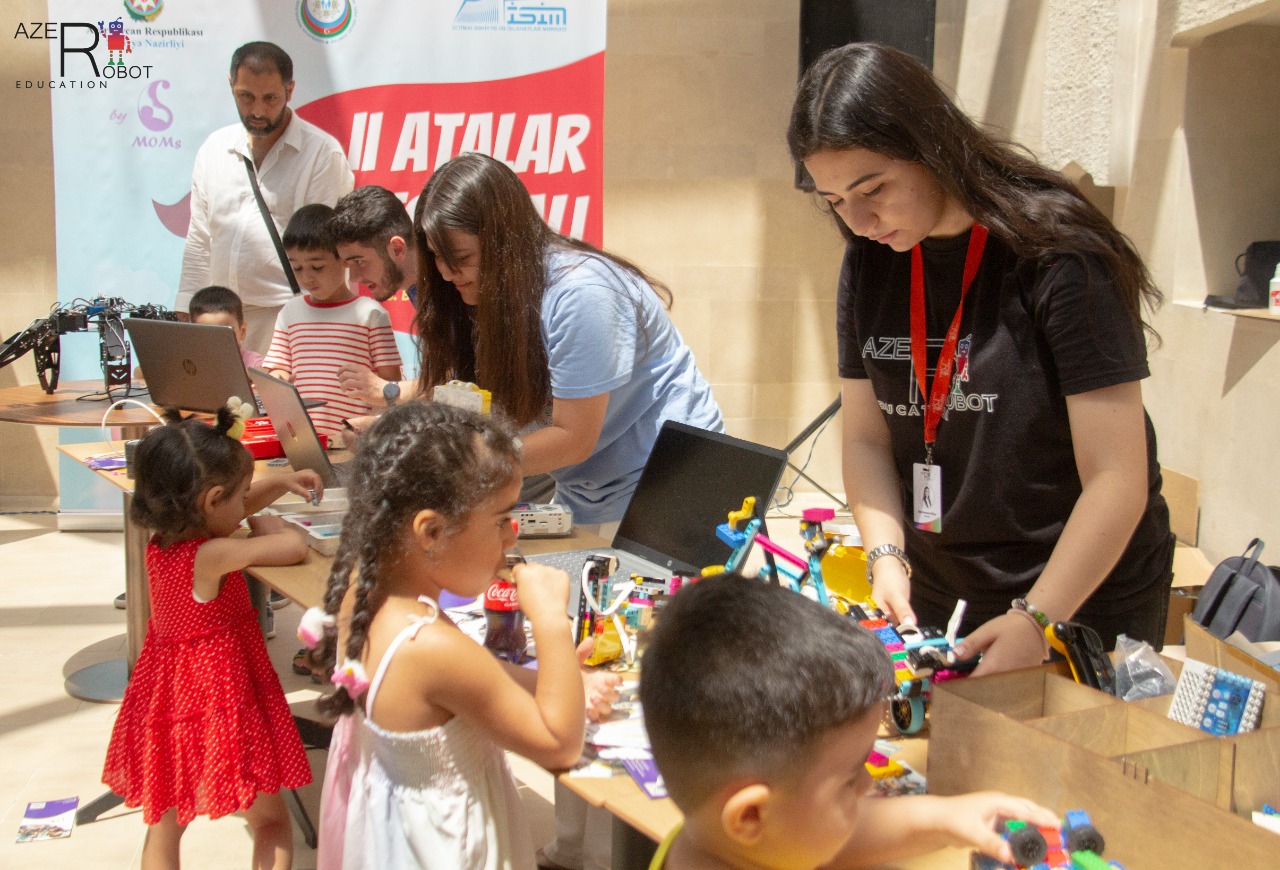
column 116, row 404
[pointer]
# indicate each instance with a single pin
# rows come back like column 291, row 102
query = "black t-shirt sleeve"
column 848, row 347
column 1093, row 340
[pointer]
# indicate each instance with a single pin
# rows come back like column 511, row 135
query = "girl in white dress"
column 416, row 774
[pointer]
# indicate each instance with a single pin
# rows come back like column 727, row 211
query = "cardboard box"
column 1162, row 794
column 1191, row 568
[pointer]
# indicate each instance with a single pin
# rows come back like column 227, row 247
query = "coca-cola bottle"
column 504, row 634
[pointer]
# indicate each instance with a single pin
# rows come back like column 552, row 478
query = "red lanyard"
column 937, row 398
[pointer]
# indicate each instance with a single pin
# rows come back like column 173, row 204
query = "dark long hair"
column 417, row 456
column 499, row 344
column 866, row 95
column 178, row 461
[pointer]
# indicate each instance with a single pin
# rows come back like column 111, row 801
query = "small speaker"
column 904, row 24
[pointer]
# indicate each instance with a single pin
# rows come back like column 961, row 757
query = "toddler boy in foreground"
column 762, row 707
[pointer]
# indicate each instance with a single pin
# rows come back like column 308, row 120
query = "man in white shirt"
column 296, row 163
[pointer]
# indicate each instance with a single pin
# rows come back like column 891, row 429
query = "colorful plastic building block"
column 921, row 659
column 921, row 656
column 743, row 531
column 1077, row 846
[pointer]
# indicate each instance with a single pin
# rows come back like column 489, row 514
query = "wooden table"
column 303, row 582
column 30, row 404
column 64, row 407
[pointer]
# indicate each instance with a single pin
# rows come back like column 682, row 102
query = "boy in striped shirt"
column 327, row 325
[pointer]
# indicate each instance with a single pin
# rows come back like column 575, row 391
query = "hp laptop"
column 192, row 366
column 284, row 406
column 691, row 481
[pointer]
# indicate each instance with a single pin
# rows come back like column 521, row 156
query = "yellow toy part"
column 738, row 519
column 845, row 571
column 608, row 645
column 242, row 411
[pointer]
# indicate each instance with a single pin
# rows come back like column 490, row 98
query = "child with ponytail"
column 416, row 769
column 204, row 728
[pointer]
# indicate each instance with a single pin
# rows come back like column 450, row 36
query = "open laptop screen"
column 297, row 435
column 192, row 366
column 693, row 478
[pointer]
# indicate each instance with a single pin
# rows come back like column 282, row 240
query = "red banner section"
column 547, row 126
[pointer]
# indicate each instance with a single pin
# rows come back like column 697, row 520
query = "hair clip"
column 313, row 627
column 241, row 411
column 352, row 677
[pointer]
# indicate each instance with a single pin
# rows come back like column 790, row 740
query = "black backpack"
column 1241, row 595
column 1260, row 260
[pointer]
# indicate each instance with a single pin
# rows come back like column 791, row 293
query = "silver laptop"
column 284, row 406
column 192, row 366
column 690, row 482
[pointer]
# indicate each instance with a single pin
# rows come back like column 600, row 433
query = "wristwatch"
column 391, row 392
column 887, row 550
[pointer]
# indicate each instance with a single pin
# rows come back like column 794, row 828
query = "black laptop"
column 691, row 481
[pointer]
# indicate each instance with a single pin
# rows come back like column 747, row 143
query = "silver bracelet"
column 887, row 550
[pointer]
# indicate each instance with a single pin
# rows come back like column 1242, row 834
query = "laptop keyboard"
column 571, row 563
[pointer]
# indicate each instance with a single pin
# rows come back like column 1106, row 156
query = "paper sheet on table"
column 628, row 733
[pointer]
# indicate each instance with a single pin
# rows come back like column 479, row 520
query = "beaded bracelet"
column 1039, row 629
column 1036, row 613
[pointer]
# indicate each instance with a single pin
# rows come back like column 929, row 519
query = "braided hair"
column 178, row 461
column 417, row 456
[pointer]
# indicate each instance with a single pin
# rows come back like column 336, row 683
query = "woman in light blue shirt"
column 573, row 343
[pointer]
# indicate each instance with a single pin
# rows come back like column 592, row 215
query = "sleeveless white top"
column 442, row 798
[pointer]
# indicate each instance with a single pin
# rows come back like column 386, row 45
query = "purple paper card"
column 645, row 773
column 48, row 820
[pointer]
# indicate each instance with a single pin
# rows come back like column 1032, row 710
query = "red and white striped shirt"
column 313, row 338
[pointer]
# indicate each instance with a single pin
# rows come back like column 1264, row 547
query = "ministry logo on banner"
column 510, row 15
column 326, row 20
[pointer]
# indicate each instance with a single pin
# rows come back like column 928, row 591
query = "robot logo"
column 118, row 42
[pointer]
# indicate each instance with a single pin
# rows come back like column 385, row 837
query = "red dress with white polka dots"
column 204, row 725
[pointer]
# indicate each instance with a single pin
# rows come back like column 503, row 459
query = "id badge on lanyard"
column 927, row 477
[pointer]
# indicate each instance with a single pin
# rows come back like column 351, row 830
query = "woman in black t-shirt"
column 991, row 348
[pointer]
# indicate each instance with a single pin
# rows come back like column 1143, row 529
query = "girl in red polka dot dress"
column 204, row 728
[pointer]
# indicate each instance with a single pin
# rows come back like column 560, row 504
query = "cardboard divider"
column 1117, row 729
column 1161, row 793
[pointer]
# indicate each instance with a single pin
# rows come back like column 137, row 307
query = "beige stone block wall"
column 1214, row 393
column 699, row 192
column 28, row 464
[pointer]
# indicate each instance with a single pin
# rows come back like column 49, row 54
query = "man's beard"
column 393, row 277
column 272, row 125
